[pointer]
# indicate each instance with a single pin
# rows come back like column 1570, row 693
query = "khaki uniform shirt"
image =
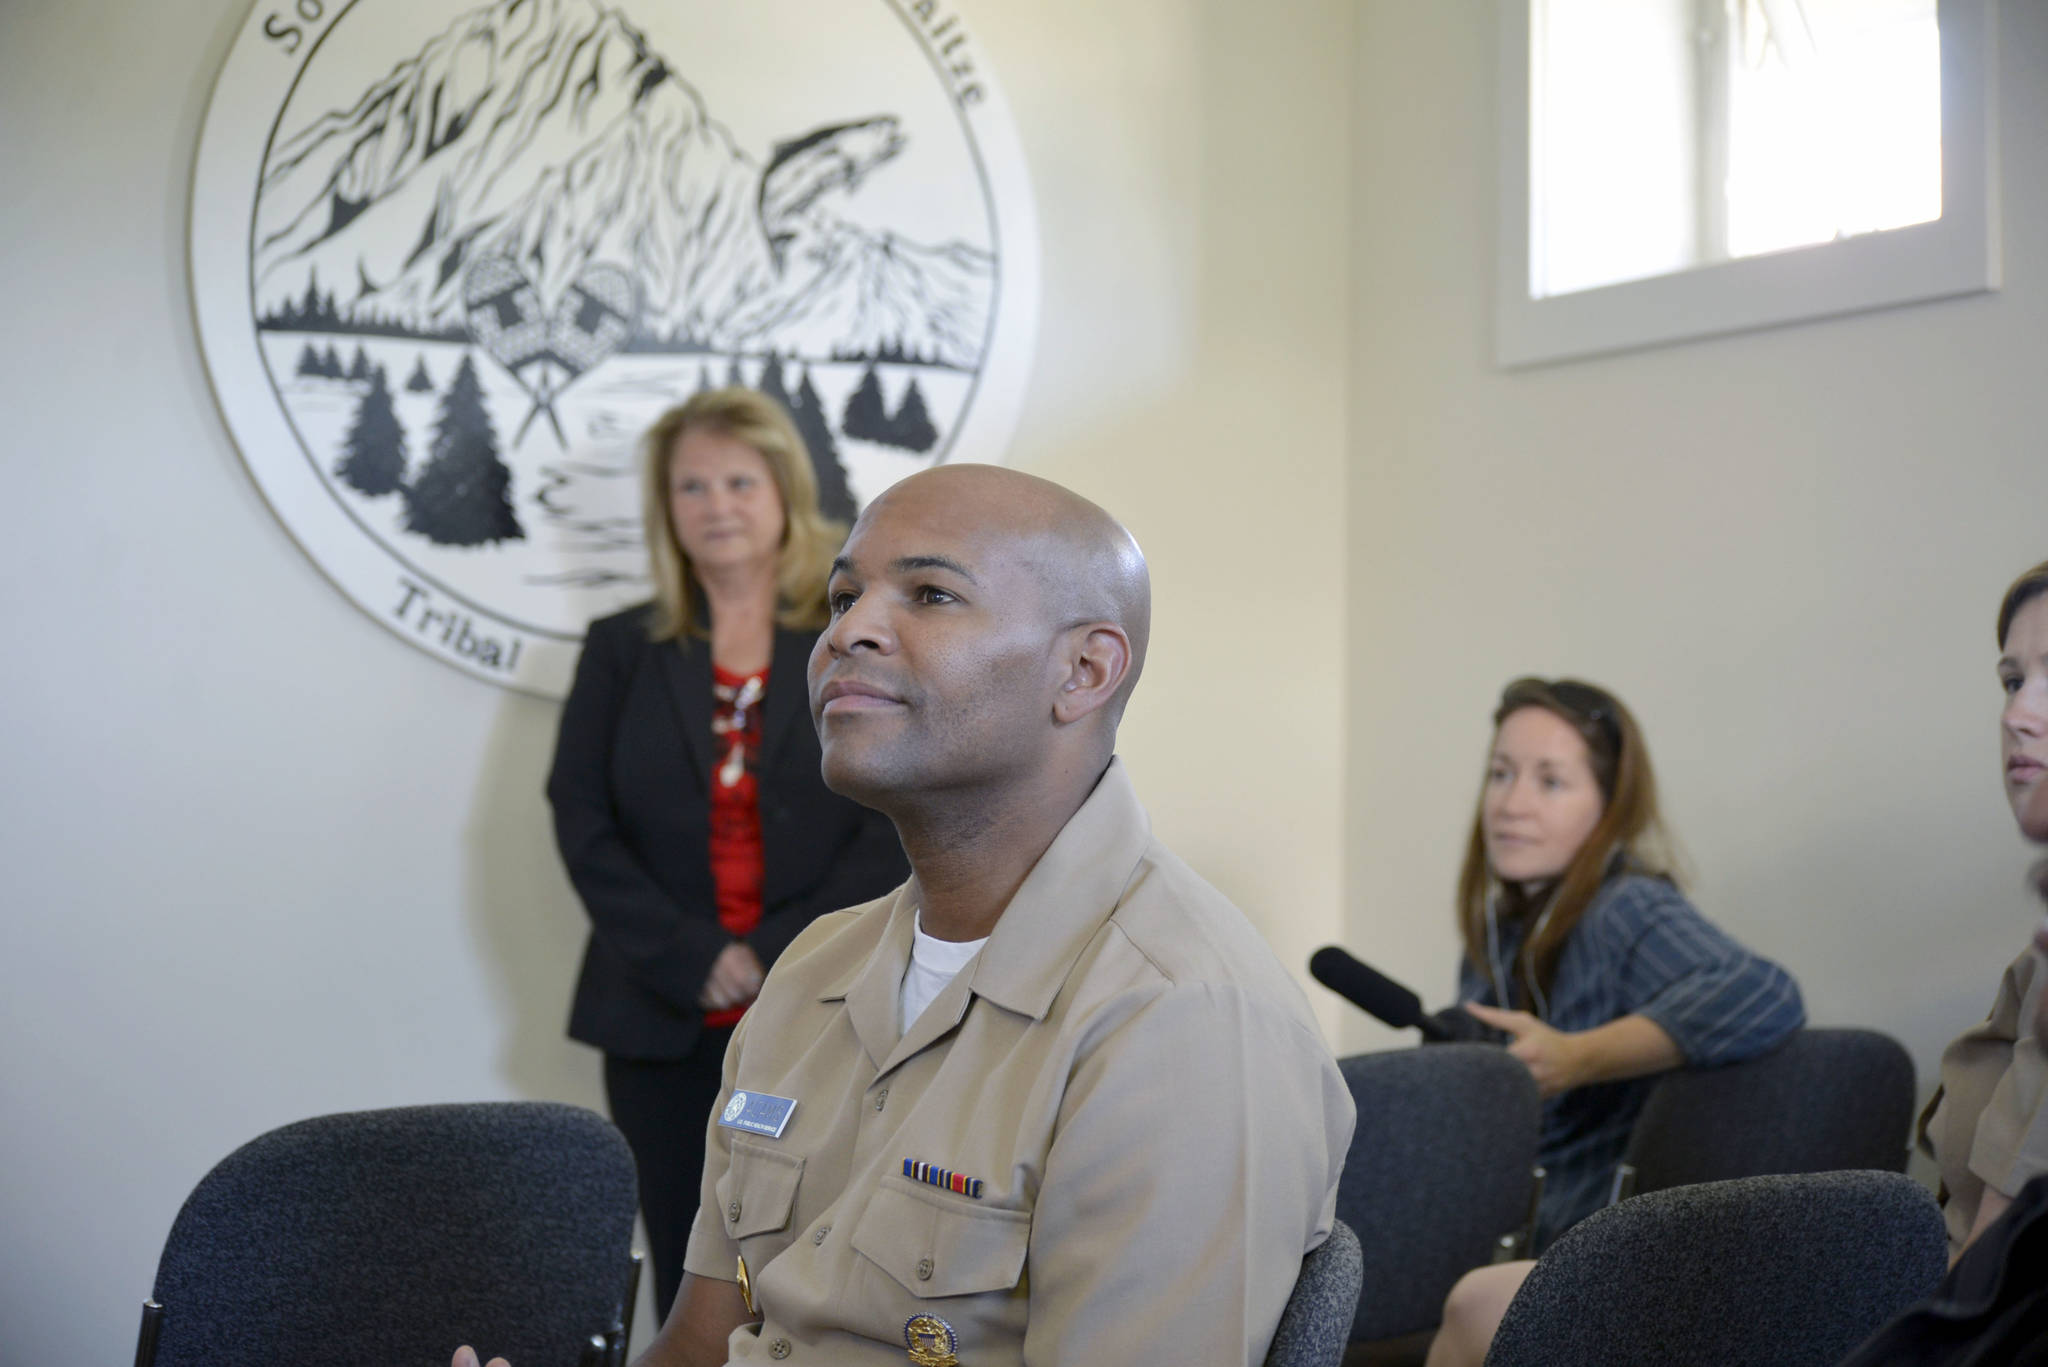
column 1132, row 1092
column 1986, row 1125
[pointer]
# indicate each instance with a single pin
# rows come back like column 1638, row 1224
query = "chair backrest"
column 1439, row 1168
column 1317, row 1321
column 391, row 1237
column 1824, row 1100
column 1782, row 1271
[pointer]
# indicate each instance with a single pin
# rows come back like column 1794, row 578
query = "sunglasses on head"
column 1584, row 702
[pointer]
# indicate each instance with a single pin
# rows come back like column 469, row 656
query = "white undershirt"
column 933, row 964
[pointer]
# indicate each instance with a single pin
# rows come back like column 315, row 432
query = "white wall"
column 1190, row 161
column 1783, row 549
column 266, row 861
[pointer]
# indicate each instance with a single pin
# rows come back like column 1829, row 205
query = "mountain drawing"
column 549, row 133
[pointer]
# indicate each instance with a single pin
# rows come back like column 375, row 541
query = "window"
column 1677, row 168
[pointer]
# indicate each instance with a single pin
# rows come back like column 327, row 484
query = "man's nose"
column 863, row 626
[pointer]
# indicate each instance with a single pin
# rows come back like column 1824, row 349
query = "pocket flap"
column 936, row 1245
column 759, row 1189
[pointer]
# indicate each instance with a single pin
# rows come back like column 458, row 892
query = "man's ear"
column 1097, row 658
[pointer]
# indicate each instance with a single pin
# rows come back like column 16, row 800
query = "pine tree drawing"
column 866, row 417
column 373, row 454
column 703, row 378
column 771, row 381
column 912, row 428
column 463, row 495
column 359, row 368
column 733, row 378
column 309, row 361
column 330, row 364
column 835, row 499
column 421, row 381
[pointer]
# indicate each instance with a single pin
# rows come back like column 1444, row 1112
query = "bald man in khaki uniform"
column 1053, row 1101
column 1112, row 1135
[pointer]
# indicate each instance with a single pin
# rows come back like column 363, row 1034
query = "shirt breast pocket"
column 758, row 1190
column 935, row 1246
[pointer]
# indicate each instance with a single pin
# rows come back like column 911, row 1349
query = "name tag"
column 757, row 1113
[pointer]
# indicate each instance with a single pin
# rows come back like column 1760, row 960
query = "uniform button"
column 818, row 1235
column 881, row 1098
column 732, row 1212
column 779, row 1349
column 924, row 1269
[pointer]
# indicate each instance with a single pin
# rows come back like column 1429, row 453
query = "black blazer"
column 631, row 791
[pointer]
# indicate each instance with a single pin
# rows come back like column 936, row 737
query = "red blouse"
column 736, row 808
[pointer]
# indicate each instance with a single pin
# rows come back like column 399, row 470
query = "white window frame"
column 1953, row 255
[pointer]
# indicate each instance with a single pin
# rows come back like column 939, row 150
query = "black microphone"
column 1380, row 997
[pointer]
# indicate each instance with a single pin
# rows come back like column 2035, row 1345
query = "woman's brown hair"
column 1629, row 826
column 2024, row 590
column 809, row 538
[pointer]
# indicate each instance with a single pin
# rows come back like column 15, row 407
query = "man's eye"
column 839, row 602
column 931, row 594
column 2010, row 683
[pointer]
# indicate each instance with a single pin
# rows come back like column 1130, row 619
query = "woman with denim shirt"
column 1583, row 952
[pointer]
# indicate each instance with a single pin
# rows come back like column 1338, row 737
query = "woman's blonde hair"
column 809, row 538
column 1629, row 828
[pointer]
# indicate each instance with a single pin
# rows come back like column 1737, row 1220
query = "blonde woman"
column 688, row 805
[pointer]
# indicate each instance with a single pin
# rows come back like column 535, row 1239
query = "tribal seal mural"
column 450, row 258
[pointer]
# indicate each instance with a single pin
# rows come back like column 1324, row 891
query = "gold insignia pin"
column 931, row 1341
column 747, row 1288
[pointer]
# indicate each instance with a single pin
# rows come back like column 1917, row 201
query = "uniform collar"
column 1063, row 902
column 1069, row 893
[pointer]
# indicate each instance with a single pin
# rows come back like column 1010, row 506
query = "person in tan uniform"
column 1993, row 1304
column 1987, row 1126
column 1053, row 1101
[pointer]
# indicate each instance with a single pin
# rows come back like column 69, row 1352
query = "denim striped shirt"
column 1640, row 949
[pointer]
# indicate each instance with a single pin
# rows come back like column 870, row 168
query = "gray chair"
column 1781, row 1271
column 392, row 1236
column 1823, row 1101
column 1318, row 1315
column 1440, row 1168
